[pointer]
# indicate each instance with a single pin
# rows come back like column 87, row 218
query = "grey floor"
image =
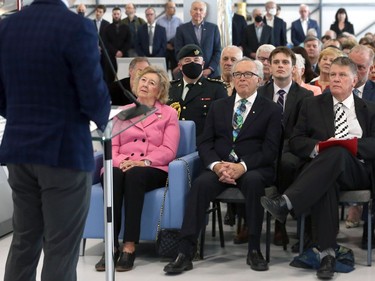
column 227, row 264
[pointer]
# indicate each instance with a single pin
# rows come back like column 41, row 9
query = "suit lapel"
column 327, row 110
column 151, row 118
column 195, row 91
column 290, row 102
column 228, row 116
column 255, row 111
column 192, row 31
column 361, row 112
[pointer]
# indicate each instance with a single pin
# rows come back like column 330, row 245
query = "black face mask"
column 258, row 18
column 81, row 14
column 192, row 70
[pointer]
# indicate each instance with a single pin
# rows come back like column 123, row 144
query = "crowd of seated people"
column 286, row 81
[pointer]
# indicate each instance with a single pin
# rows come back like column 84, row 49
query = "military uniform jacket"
column 197, row 101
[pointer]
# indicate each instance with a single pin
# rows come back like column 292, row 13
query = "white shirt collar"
column 286, row 89
column 250, row 100
column 66, row 3
column 348, row 102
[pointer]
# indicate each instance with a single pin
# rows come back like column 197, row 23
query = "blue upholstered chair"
column 175, row 197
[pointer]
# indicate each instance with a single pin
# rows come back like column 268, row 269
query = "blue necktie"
column 237, row 122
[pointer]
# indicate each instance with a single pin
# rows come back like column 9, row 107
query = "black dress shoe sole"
column 123, row 269
column 325, row 275
column 179, row 270
column 263, row 267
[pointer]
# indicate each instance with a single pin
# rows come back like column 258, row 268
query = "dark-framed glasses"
column 246, row 75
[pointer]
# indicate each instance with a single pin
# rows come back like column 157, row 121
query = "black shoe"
column 277, row 207
column 125, row 262
column 181, row 264
column 327, row 268
column 100, row 266
column 230, row 217
column 256, row 261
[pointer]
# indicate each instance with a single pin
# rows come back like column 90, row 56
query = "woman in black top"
column 342, row 23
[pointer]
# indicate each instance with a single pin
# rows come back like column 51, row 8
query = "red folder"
column 350, row 144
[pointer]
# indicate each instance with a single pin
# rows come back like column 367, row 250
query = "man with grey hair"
column 263, row 55
column 202, row 33
column 228, row 58
column 301, row 26
column 238, row 149
column 313, row 47
column 278, row 25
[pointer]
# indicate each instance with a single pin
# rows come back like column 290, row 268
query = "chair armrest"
column 178, row 188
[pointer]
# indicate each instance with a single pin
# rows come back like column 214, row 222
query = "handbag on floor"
column 167, row 239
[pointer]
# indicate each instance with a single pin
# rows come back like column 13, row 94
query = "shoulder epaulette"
column 215, row 80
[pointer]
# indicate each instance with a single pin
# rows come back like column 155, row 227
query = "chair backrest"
column 187, row 138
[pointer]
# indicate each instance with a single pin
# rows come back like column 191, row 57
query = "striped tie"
column 356, row 92
column 341, row 123
column 280, row 100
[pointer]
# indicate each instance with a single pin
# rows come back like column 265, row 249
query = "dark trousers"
column 205, row 189
column 130, row 188
column 50, row 209
column 317, row 189
column 171, row 59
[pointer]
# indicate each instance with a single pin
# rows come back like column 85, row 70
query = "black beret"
column 190, row 50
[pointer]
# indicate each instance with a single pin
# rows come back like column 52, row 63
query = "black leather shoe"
column 125, row 262
column 100, row 266
column 181, row 264
column 327, row 268
column 277, row 207
column 256, row 261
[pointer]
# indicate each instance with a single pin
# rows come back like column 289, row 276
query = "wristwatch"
column 147, row 162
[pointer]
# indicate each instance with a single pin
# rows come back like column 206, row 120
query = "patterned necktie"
column 280, row 100
column 356, row 92
column 237, row 122
column 341, row 122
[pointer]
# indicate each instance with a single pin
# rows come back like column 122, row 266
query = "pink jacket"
column 156, row 138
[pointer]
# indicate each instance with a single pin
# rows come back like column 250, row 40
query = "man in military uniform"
column 192, row 95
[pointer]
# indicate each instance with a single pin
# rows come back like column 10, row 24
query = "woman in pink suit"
column 141, row 156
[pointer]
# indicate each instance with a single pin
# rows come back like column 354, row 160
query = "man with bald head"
column 302, row 25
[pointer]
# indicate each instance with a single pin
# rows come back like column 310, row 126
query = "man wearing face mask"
column 277, row 24
column 256, row 34
column 192, row 95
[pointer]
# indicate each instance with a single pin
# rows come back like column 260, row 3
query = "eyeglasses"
column 263, row 59
column 246, row 75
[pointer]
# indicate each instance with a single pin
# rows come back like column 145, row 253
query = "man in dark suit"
column 277, row 24
column 115, row 90
column 331, row 116
column 255, row 35
column 363, row 56
column 302, row 25
column 313, row 46
column 100, row 25
column 289, row 95
column 238, row 26
column 239, row 147
column 48, row 96
column 158, row 46
column 193, row 95
column 117, row 39
column 202, row 33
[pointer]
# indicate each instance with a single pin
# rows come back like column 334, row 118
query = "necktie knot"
column 356, row 91
column 190, row 85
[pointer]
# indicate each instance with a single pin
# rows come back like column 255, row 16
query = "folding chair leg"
column 214, row 210
column 268, row 235
column 301, row 233
column 369, row 234
column 220, row 223
column 202, row 240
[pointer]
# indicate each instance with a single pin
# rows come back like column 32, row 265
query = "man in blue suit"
column 158, row 46
column 277, row 24
column 49, row 92
column 363, row 57
column 302, row 25
column 204, row 34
